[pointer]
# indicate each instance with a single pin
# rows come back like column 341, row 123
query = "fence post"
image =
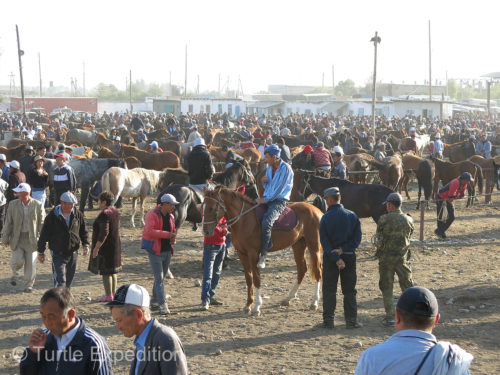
column 423, row 204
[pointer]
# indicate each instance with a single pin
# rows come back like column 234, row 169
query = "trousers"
column 274, row 210
column 213, row 255
column 348, row 278
column 387, row 267
column 24, row 256
column 64, row 268
column 159, row 265
column 443, row 225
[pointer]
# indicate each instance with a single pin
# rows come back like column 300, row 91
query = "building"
column 232, row 107
column 87, row 104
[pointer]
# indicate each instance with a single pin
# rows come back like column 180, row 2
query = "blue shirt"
column 279, row 186
column 438, row 147
column 484, row 147
column 139, row 343
column 401, row 354
column 339, row 229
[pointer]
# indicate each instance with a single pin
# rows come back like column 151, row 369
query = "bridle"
column 306, row 185
column 220, row 204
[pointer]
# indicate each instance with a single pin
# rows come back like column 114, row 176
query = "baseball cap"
column 61, row 155
column 14, row 164
column 3, row 157
column 29, row 148
column 22, row 188
column 331, row 192
column 117, row 138
column 168, row 198
column 154, row 144
column 199, row 142
column 419, row 301
column 38, row 157
column 130, row 294
column 68, row 197
column 464, row 176
column 394, row 198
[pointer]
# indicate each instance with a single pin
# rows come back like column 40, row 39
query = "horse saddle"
column 199, row 194
column 286, row 221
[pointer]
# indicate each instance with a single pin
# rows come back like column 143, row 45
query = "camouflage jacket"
column 394, row 231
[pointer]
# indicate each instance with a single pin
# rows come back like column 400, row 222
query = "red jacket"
column 452, row 190
column 321, row 157
column 153, row 231
column 219, row 236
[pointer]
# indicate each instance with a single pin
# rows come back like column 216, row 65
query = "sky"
column 259, row 42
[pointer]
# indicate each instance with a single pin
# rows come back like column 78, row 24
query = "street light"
column 376, row 40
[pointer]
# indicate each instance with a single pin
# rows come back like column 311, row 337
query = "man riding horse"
column 200, row 167
column 278, row 183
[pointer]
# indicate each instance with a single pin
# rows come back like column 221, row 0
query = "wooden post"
column 423, row 204
column 376, row 40
column 20, row 53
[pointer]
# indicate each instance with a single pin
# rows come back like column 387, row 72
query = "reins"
column 230, row 221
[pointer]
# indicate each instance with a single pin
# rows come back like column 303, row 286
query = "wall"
column 87, row 104
column 200, row 105
column 124, row 107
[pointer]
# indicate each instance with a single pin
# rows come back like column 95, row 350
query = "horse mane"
column 234, row 194
column 152, row 176
column 177, row 170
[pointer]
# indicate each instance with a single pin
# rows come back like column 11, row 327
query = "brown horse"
column 15, row 153
column 446, row 171
column 154, row 161
column 246, row 238
column 358, row 163
column 488, row 168
column 423, row 170
column 103, row 141
column 249, row 154
column 390, row 171
column 455, row 151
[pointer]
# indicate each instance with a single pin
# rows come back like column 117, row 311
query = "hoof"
column 313, row 307
column 255, row 312
column 285, row 302
column 246, row 309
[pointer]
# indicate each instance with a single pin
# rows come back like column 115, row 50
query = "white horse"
column 134, row 183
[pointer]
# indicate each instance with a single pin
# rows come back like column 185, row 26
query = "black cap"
column 419, row 301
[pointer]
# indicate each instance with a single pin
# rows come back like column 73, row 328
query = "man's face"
column 59, row 161
column 42, row 152
column 167, row 208
column 23, row 195
column 67, row 207
column 53, row 317
column 128, row 325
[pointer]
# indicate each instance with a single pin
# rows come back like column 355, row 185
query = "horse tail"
column 105, row 181
column 479, row 174
column 424, row 177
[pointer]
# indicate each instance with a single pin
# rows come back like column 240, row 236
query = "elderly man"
column 277, row 183
column 394, row 231
column 413, row 349
column 483, row 147
column 339, row 169
column 380, row 152
column 64, row 228
column 67, row 345
column 64, row 177
column 340, row 236
column 21, row 229
column 158, row 349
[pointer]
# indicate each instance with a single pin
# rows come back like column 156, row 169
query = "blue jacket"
column 279, row 186
column 339, row 229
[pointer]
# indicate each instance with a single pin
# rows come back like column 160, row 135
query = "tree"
column 345, row 88
column 452, row 88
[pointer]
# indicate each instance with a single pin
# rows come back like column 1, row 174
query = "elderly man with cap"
column 278, row 183
column 23, row 222
column 339, row 169
column 380, row 152
column 200, row 167
column 413, row 349
column 394, row 231
column 483, row 147
column 158, row 349
column 455, row 189
column 438, row 146
column 64, row 177
column 158, row 239
column 340, row 236
column 64, row 228
column 16, row 177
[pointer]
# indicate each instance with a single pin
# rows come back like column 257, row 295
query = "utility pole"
column 323, row 82
column 198, row 86
column 430, row 65
column 83, row 78
column 40, row 73
column 130, row 90
column 333, row 78
column 20, row 53
column 488, row 88
column 186, row 72
column 376, row 40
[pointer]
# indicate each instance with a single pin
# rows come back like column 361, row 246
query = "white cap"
column 438, row 136
column 131, row 294
column 338, row 149
column 117, row 138
column 154, row 144
column 199, row 142
column 412, row 129
column 168, row 198
column 3, row 157
column 15, row 164
column 22, row 188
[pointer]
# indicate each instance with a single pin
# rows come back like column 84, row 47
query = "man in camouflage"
column 394, row 230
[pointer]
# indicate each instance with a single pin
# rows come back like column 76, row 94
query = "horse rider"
column 142, row 137
column 339, row 169
column 394, row 231
column 278, row 183
column 438, row 146
column 411, row 144
column 455, row 189
column 388, row 147
column 154, row 148
column 285, row 150
column 483, row 147
column 200, row 167
column 379, row 153
column 117, row 146
column 322, row 158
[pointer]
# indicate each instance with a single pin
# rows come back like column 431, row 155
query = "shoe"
column 204, row 306
column 154, row 305
column 28, row 289
column 13, row 281
column 262, row 262
column 215, row 302
column 105, row 299
column 328, row 325
column 352, row 325
column 169, row 274
column 164, row 309
column 388, row 322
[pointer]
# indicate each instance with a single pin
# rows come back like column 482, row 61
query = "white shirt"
column 64, row 340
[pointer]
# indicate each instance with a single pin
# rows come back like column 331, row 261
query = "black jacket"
column 86, row 354
column 26, row 163
column 200, row 167
column 61, row 239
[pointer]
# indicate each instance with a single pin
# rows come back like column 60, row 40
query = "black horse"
column 189, row 204
column 365, row 200
column 236, row 175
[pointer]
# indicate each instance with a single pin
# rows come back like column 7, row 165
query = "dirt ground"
column 463, row 272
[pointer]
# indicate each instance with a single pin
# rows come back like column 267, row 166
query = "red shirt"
column 219, row 236
column 274, row 170
column 453, row 190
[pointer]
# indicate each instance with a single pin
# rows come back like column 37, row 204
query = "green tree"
column 452, row 88
column 345, row 88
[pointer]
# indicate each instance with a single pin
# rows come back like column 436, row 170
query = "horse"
column 155, row 161
column 189, row 204
column 390, row 171
column 173, row 176
column 424, row 171
column 251, row 155
column 235, row 176
column 134, row 183
column 82, row 153
column 456, row 151
column 446, row 171
column 86, row 137
column 358, row 163
column 365, row 200
column 246, row 239
column 103, row 141
column 488, row 168
column 13, row 153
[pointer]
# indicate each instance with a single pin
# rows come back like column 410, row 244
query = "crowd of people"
column 27, row 229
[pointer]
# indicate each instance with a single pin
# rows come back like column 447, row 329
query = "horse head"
column 213, row 209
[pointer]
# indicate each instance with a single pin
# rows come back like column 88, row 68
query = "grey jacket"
column 14, row 221
column 163, row 353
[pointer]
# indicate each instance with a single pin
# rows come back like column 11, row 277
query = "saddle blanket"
column 286, row 221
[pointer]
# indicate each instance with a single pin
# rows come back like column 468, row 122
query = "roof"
column 494, row 75
column 264, row 105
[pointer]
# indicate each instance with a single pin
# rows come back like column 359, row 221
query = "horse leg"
column 299, row 254
column 404, row 183
column 142, row 198
column 248, row 278
column 256, row 283
column 84, row 196
column 315, row 253
column 132, row 215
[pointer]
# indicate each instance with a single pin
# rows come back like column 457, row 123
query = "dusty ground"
column 463, row 272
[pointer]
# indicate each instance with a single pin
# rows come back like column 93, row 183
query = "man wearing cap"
column 142, row 137
column 285, row 150
column 278, row 183
column 4, row 167
column 153, row 147
column 340, row 236
column 322, row 157
column 455, row 189
column 438, row 146
column 394, row 231
column 23, row 222
column 413, row 349
column 194, row 135
column 117, row 146
column 380, row 152
column 339, row 168
column 64, row 177
column 200, row 167
column 158, row 349
column 16, row 177
column 483, row 147
column 470, row 146
column 67, row 345
column 64, row 228
column 158, row 239
column 26, row 161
